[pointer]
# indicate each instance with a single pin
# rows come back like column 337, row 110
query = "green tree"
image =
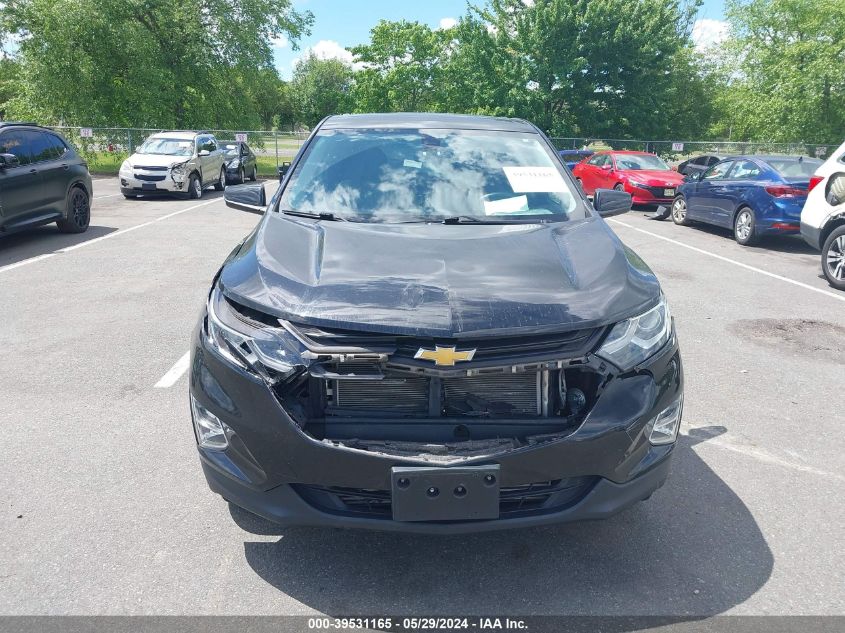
column 320, row 87
column 577, row 67
column 401, row 67
column 783, row 71
column 154, row 63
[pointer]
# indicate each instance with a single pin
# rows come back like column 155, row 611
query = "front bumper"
column 269, row 452
column 166, row 185
column 643, row 196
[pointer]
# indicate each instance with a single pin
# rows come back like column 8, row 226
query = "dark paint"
column 439, row 281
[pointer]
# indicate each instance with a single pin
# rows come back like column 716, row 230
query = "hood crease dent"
column 437, row 280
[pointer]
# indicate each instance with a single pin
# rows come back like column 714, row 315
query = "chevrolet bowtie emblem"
column 444, row 356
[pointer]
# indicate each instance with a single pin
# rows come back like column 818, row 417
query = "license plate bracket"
column 445, row 494
column 148, row 186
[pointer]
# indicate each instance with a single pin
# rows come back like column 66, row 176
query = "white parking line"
column 840, row 297
column 68, row 249
column 174, row 373
column 111, row 195
column 728, row 443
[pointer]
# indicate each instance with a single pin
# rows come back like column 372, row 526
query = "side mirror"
column 203, row 152
column 251, row 197
column 283, row 170
column 610, row 202
column 8, row 160
column 607, row 167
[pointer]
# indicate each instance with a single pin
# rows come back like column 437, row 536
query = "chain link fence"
column 106, row 148
column 676, row 151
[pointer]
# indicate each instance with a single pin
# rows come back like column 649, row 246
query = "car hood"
column 655, row 178
column 157, row 160
column 438, row 280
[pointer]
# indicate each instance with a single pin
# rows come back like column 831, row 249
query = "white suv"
column 823, row 217
column 174, row 162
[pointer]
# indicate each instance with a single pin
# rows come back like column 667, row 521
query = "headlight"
column 178, row 169
column 632, row 341
column 126, row 167
column 254, row 347
column 637, row 183
column 234, row 163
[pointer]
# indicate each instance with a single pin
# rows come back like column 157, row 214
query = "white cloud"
column 279, row 41
column 448, row 23
column 328, row 49
column 707, row 32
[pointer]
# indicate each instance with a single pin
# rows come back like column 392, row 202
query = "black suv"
column 432, row 329
column 42, row 180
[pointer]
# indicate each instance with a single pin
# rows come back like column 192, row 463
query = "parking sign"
column 677, row 147
column 86, row 132
column 240, row 137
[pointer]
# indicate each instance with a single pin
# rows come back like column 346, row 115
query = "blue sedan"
column 572, row 157
column 753, row 195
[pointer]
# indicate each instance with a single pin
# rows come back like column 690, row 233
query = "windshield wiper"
column 468, row 219
column 330, row 217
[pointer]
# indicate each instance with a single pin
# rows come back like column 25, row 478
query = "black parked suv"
column 432, row 329
column 42, row 180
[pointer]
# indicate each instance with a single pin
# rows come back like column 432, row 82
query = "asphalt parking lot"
column 104, row 509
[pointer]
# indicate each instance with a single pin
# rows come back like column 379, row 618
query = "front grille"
column 503, row 350
column 490, row 395
column 149, row 178
column 151, row 168
column 401, row 395
column 521, row 500
column 657, row 192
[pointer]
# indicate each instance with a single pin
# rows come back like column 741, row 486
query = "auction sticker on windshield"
column 534, row 179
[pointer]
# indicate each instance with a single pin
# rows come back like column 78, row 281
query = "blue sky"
column 342, row 23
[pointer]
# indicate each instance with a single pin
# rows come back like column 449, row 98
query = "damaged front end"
column 368, row 391
column 309, row 425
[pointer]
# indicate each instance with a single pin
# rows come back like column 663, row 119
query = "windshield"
column 167, row 146
column 640, row 161
column 792, row 168
column 421, row 175
column 230, row 149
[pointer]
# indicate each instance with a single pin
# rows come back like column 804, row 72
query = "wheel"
column 220, row 185
column 78, row 212
column 679, row 211
column 619, row 187
column 194, row 187
column 254, row 176
column 580, row 184
column 241, row 176
column 744, row 227
column 833, row 258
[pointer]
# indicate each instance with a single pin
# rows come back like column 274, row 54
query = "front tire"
column 833, row 258
column 745, row 228
column 78, row 212
column 220, row 185
column 194, row 187
column 679, row 211
column 254, row 176
column 619, row 187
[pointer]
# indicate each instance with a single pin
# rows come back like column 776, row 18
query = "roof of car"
column 768, row 157
column 14, row 123
column 182, row 134
column 426, row 120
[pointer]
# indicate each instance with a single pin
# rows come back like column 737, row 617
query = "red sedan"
column 645, row 176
